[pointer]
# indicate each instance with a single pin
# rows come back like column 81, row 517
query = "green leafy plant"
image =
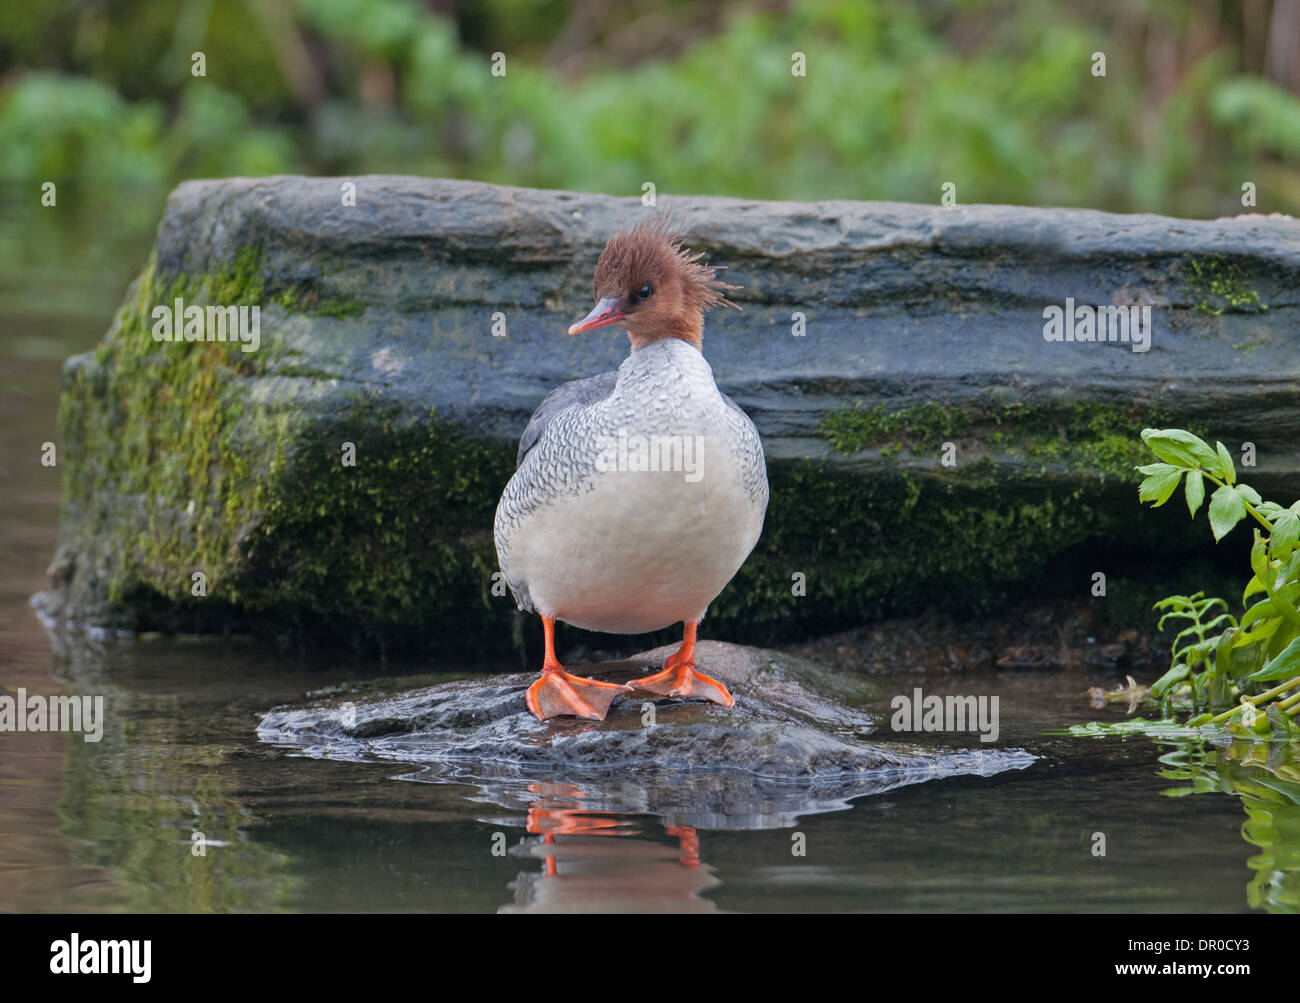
column 1194, row 645
column 1223, row 665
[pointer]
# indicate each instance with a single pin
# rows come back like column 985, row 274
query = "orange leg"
column 679, row 678
column 689, row 840
column 558, row 692
column 550, row 869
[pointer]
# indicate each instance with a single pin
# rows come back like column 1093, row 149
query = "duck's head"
column 653, row 287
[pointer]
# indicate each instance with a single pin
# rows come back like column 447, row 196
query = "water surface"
column 112, row 825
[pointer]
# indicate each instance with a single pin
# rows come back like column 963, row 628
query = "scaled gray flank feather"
column 523, row 494
column 580, row 392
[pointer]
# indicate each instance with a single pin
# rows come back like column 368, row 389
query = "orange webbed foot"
column 679, row 678
column 559, row 693
column 683, row 681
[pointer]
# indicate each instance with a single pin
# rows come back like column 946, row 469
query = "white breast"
column 626, row 549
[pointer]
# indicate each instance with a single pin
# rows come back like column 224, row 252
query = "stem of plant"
column 1256, row 700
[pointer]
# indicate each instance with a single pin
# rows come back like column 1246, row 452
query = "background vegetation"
column 696, row 96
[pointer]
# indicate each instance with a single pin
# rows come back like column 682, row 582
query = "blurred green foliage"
column 696, row 97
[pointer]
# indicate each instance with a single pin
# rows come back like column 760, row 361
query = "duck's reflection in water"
column 584, row 870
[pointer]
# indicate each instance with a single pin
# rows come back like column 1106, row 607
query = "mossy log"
column 926, row 443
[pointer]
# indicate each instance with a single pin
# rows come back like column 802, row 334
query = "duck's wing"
column 749, row 451
column 530, row 486
column 583, row 393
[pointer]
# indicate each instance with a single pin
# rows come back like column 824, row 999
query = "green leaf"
column 1133, row 726
column 1263, row 632
column 1226, row 510
column 1261, row 608
column 1205, row 605
column 1162, row 479
column 1194, row 630
column 1283, row 666
column 1279, row 722
column 1170, row 452
column 1224, row 662
column 1281, row 592
column 1174, row 445
column 1249, row 493
column 1259, row 557
column 1219, row 684
column 1285, row 634
column 1227, row 469
column 1176, row 674
column 1285, row 536
column 1195, row 491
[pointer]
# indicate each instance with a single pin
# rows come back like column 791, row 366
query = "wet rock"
column 922, row 339
column 792, row 744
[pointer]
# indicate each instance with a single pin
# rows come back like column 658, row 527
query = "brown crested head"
column 649, row 284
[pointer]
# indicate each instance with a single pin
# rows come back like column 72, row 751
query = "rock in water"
column 792, row 744
column 928, row 443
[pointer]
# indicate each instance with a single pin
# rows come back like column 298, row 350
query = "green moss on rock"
column 890, row 543
column 154, row 425
column 246, row 280
column 307, row 299
column 206, row 475
column 1219, row 286
column 402, row 539
column 1083, row 437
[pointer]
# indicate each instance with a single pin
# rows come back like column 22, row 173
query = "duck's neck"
column 689, row 329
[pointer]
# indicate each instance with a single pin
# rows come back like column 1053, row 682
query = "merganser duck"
column 638, row 494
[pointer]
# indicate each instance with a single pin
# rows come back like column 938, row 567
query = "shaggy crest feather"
column 652, row 250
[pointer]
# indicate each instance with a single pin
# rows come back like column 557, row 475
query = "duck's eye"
column 644, row 292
